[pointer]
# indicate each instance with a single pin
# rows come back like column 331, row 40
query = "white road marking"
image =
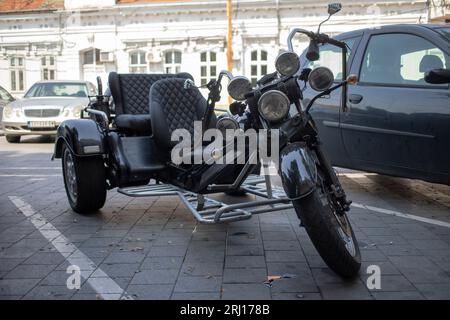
column 30, row 175
column 30, row 168
column 403, row 215
column 105, row 287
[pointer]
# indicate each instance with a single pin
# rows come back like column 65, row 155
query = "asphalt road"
column 152, row 248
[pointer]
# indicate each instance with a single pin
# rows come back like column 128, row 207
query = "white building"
column 80, row 39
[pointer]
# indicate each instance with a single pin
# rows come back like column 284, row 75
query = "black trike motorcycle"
column 135, row 152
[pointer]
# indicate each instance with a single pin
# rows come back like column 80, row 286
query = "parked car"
column 44, row 106
column 393, row 122
column 5, row 98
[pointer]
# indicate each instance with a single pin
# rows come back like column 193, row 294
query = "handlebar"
column 317, row 38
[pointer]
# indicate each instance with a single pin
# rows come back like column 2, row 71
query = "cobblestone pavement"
column 154, row 249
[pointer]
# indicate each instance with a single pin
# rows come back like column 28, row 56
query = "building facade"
column 80, row 39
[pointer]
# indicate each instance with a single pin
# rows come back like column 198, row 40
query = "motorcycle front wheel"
column 331, row 234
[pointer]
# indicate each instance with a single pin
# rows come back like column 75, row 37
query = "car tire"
column 84, row 181
column 12, row 138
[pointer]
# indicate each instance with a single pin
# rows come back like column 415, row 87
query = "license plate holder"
column 41, row 124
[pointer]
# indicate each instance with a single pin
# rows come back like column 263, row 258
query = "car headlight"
column 77, row 111
column 273, row 105
column 7, row 112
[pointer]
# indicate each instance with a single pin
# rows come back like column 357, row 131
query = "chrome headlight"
column 287, row 63
column 273, row 105
column 227, row 123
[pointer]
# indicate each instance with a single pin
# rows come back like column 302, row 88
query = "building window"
column 48, row 66
column 138, row 62
column 172, row 61
column 258, row 64
column 91, row 56
column 208, row 66
column 17, row 73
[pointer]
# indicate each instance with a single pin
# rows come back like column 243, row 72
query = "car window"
column 400, row 59
column 57, row 89
column 4, row 95
column 331, row 57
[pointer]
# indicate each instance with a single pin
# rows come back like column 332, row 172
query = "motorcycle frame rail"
column 210, row 211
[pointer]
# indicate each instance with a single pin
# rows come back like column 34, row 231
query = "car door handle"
column 355, row 98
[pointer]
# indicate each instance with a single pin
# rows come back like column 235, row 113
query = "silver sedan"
column 44, row 106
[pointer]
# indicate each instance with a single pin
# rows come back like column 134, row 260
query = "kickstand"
column 267, row 180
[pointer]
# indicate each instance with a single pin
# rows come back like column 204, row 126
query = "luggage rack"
column 209, row 211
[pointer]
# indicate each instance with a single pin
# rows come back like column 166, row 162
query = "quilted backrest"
column 130, row 91
column 174, row 107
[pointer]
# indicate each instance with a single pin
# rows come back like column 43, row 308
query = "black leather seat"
column 174, row 107
column 130, row 93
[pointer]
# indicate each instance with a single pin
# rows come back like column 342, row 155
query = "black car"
column 394, row 122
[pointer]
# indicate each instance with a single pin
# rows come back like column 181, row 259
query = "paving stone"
column 198, row 284
column 245, row 262
column 45, row 258
column 202, row 268
column 345, row 291
column 281, row 245
column 29, row 271
column 296, row 296
column 404, row 295
column 117, row 269
column 244, row 275
column 49, row 293
column 125, row 257
column 20, row 287
column 168, row 251
column 155, row 277
column 285, row 256
column 7, row 264
column 437, row 291
column 420, row 269
column 245, row 291
column 150, row 291
column 245, row 250
column 162, row 263
column 195, row 296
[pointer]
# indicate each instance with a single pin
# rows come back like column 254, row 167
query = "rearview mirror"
column 438, row 76
column 321, row 79
column 334, row 8
column 238, row 87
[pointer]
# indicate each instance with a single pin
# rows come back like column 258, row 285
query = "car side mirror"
column 438, row 76
column 334, row 8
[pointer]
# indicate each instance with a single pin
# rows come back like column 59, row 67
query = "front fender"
column 298, row 171
column 82, row 136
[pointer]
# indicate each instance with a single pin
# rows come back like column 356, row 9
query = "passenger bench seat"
column 130, row 93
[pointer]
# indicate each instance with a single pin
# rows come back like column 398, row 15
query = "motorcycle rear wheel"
column 332, row 235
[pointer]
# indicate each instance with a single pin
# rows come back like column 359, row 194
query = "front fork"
column 332, row 180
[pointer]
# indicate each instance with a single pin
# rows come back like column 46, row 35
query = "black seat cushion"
column 130, row 95
column 130, row 91
column 174, row 107
column 139, row 124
